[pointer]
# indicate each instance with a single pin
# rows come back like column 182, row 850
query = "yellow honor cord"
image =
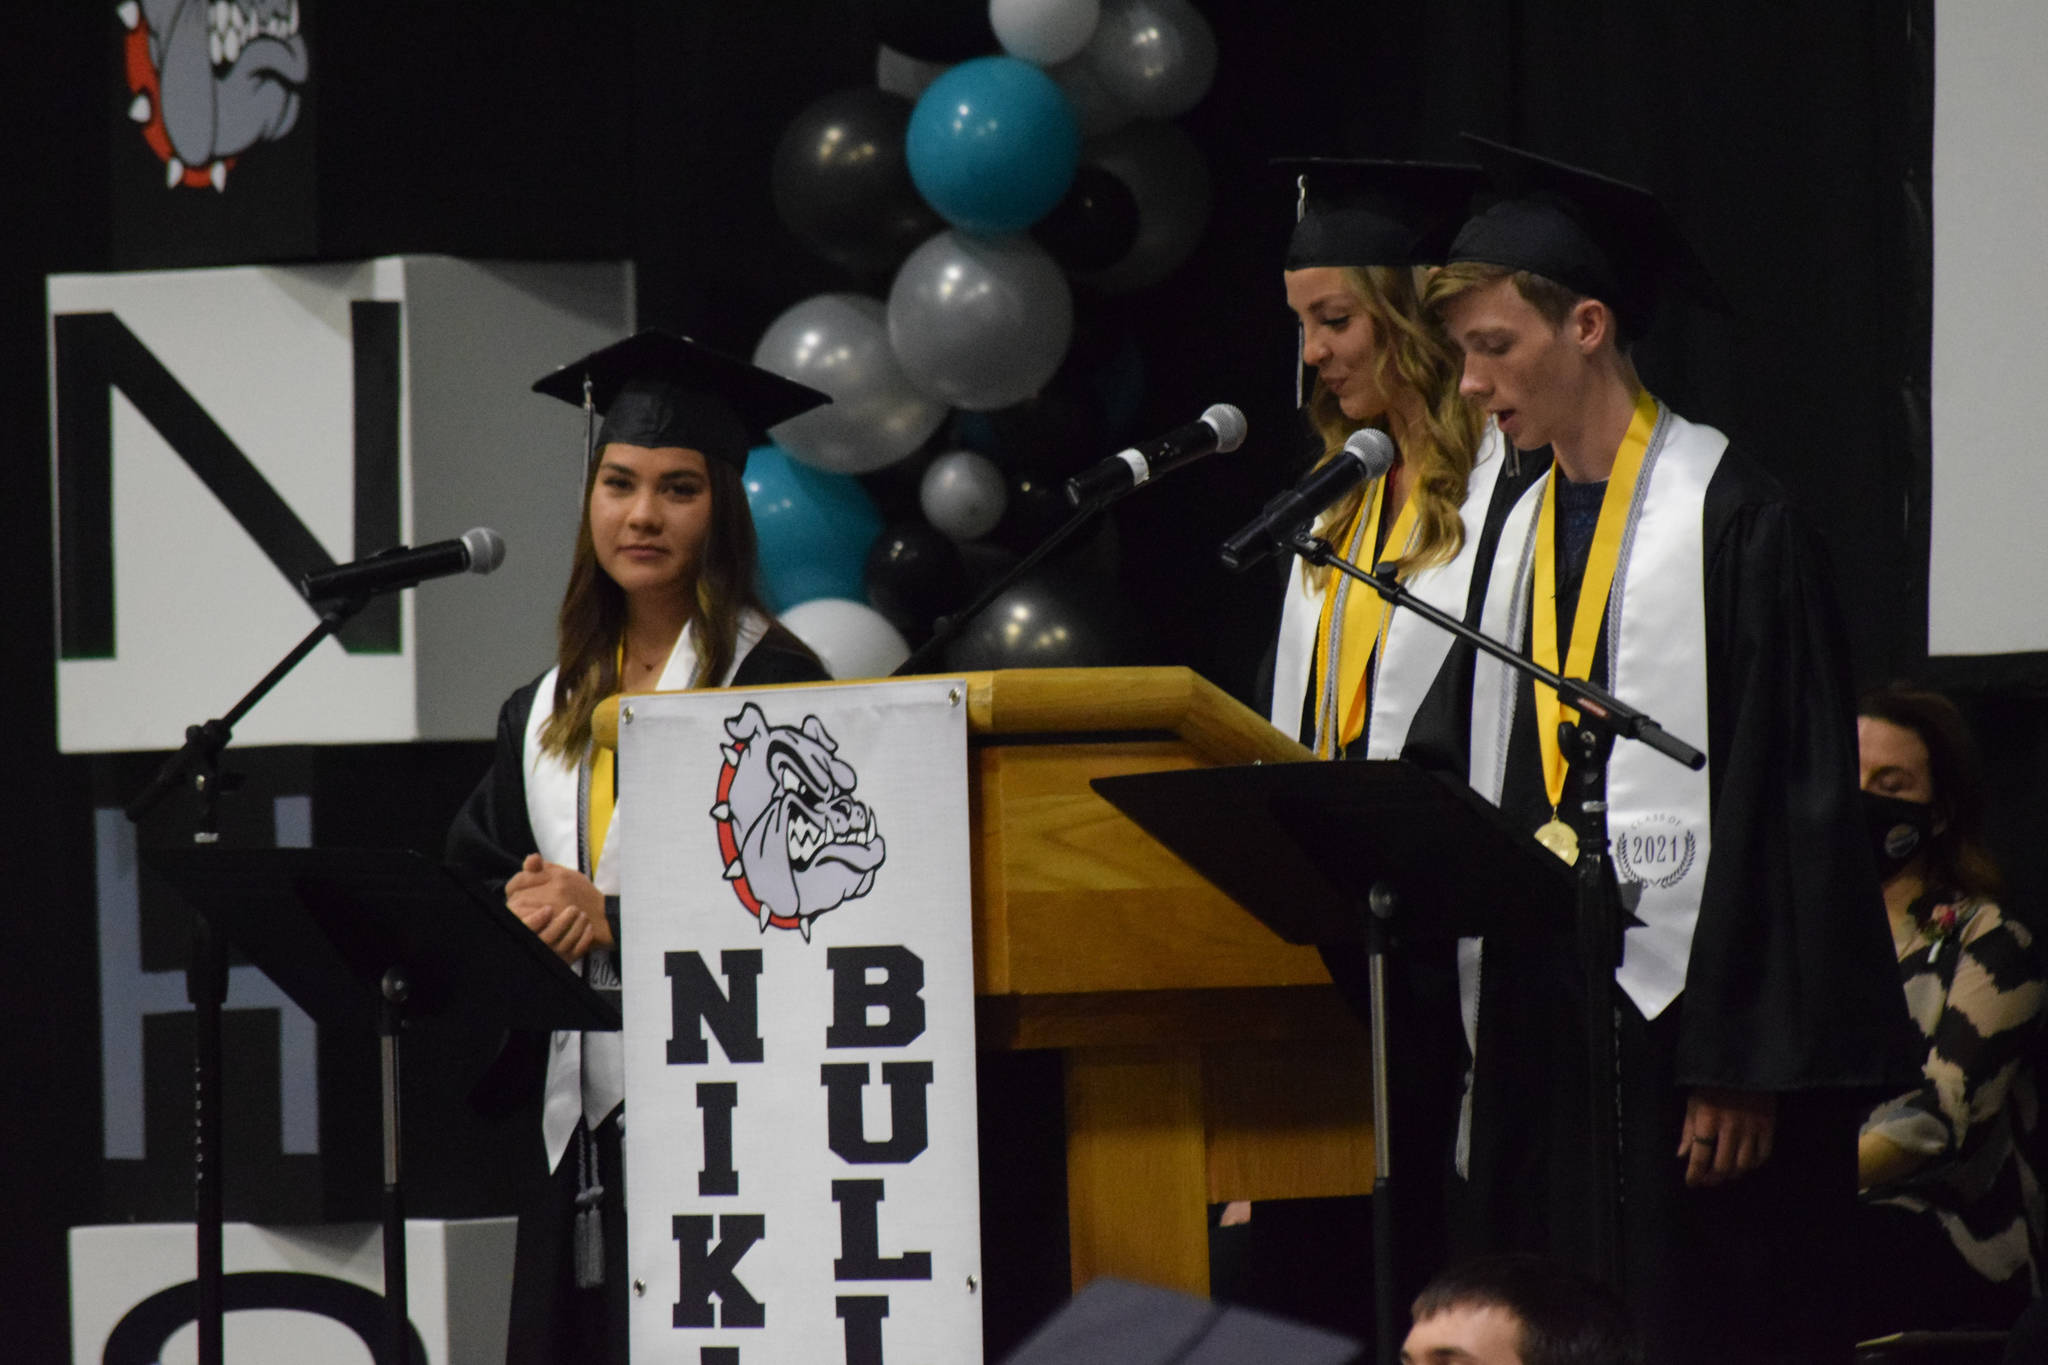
column 1363, row 627
column 603, row 784
column 1601, row 564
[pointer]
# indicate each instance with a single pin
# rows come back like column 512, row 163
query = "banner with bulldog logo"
column 799, row 1002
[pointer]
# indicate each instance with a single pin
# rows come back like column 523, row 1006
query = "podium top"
column 1082, row 701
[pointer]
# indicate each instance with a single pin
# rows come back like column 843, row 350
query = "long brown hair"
column 592, row 620
column 1413, row 354
column 1958, row 859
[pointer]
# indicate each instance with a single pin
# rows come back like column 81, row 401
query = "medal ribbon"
column 1601, row 563
column 1356, row 635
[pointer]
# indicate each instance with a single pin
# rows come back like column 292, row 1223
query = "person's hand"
column 1726, row 1134
column 561, row 905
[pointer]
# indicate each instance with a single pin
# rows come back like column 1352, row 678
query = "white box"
column 458, row 1286
column 199, row 611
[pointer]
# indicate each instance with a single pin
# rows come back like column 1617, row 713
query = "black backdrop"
column 1791, row 137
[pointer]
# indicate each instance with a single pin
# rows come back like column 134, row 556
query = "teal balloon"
column 992, row 145
column 814, row 529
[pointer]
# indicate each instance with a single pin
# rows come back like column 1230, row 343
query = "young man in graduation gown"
column 1753, row 1011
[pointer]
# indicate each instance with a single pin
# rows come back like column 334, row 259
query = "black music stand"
column 376, row 940
column 1330, row 853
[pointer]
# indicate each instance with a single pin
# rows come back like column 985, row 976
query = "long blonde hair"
column 1413, row 354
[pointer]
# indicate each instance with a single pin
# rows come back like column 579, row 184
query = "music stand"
column 376, row 940
column 1292, row 842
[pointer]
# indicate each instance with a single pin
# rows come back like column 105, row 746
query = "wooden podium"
column 1205, row 1059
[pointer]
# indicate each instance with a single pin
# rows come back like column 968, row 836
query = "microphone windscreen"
column 1374, row 448
column 486, row 548
column 1228, row 423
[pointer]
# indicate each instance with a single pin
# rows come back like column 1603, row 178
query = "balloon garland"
column 1005, row 150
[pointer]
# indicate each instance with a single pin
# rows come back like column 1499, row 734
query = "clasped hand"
column 1726, row 1134
column 561, row 905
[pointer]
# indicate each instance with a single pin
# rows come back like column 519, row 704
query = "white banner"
column 799, row 1006
column 1990, row 492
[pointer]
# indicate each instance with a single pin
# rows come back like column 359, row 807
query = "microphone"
column 1221, row 427
column 1367, row 455
column 480, row 550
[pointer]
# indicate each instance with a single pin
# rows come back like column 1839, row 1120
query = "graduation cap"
column 1602, row 238
column 1115, row 1322
column 659, row 389
column 1353, row 212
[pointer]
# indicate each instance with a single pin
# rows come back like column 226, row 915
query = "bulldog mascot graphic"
column 795, row 840
column 211, row 79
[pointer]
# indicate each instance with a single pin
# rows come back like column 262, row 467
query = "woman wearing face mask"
column 1951, row 1211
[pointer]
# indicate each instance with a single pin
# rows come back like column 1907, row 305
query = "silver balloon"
column 1156, row 57
column 980, row 322
column 963, row 494
column 851, row 639
column 1170, row 180
column 1095, row 109
column 1043, row 31
column 839, row 344
column 899, row 73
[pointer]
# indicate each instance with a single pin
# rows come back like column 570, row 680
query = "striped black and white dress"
column 1973, row 986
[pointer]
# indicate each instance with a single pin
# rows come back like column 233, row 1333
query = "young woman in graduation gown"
column 1351, row 677
column 660, row 597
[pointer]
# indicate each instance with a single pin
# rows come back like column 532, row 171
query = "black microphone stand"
column 950, row 627
column 1602, row 719
column 206, row 974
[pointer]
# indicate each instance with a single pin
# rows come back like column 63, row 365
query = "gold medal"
column 1557, row 836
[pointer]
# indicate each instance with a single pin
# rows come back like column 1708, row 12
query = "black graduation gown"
column 1426, row 1040
column 552, row 1320
column 1790, row 986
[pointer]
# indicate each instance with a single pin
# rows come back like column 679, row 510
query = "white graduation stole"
column 1658, row 816
column 586, row 1075
column 1414, row 650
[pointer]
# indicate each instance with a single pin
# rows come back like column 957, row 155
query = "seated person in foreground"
column 1519, row 1310
column 1950, row 1210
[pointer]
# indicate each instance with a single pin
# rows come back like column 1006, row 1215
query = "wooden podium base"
column 1176, row 1100
column 1205, row 1059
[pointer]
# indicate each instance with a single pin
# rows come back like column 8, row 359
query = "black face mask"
column 1899, row 830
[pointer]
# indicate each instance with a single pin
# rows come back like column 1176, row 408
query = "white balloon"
column 1043, row 31
column 853, row 639
column 980, row 322
column 963, row 494
column 899, row 73
column 1157, row 57
column 839, row 345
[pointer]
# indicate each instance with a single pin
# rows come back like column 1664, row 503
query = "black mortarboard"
column 1360, row 213
column 1114, row 1322
column 658, row 389
column 1597, row 236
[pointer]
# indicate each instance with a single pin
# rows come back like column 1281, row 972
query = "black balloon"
column 1059, row 432
column 914, row 576
column 936, row 30
column 1049, row 620
column 1094, row 225
column 842, row 185
column 1036, row 508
